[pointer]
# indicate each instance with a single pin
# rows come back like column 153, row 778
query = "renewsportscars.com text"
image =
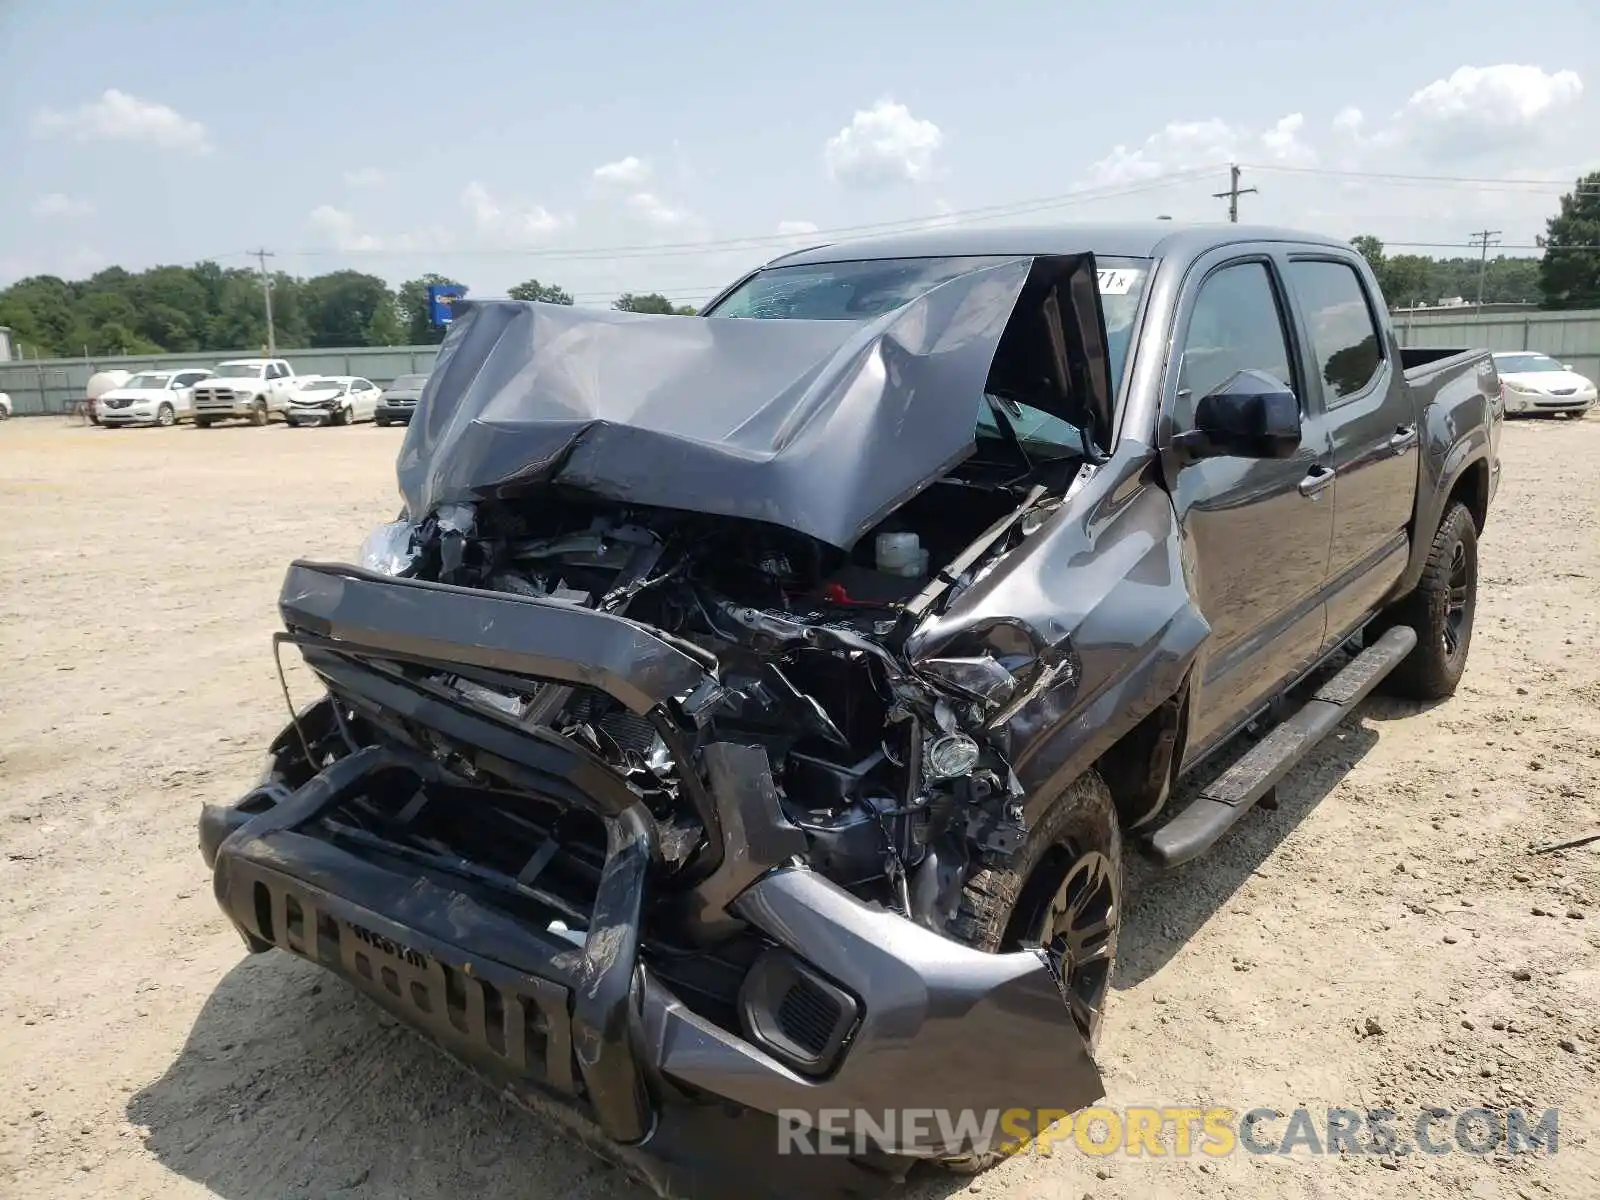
column 1176, row 1131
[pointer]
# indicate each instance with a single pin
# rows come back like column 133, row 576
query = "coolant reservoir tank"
column 900, row 554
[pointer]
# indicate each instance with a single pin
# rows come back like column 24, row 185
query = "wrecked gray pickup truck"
column 744, row 718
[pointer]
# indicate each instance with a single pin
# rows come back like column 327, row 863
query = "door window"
column 1344, row 334
column 1236, row 325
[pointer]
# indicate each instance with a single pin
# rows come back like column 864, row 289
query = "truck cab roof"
column 1150, row 239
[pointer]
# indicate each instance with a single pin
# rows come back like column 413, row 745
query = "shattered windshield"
column 861, row 290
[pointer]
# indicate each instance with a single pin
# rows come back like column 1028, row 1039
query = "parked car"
column 5, row 407
column 765, row 738
column 1536, row 383
column 153, row 398
column 399, row 399
column 332, row 400
column 251, row 389
column 99, row 384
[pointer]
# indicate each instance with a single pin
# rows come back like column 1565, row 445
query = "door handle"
column 1316, row 479
column 1404, row 438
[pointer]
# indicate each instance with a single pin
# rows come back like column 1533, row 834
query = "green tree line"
column 172, row 309
column 1566, row 275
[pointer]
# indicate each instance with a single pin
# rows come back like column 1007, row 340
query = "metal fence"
column 54, row 385
column 1572, row 337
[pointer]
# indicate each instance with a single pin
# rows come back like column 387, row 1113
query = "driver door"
column 1256, row 532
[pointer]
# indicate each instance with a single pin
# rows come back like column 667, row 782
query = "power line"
column 1398, row 177
column 1233, row 193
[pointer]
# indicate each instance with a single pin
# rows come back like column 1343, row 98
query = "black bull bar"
column 578, row 1025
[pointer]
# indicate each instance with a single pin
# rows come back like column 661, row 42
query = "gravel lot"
column 1385, row 938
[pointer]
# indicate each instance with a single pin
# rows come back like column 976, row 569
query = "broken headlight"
column 390, row 549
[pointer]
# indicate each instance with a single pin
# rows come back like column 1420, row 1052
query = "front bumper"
column 308, row 416
column 395, row 412
column 1519, row 403
column 128, row 416
column 582, row 1022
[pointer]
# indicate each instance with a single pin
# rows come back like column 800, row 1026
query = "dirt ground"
column 1385, row 938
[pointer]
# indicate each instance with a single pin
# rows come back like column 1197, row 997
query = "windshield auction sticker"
column 1117, row 281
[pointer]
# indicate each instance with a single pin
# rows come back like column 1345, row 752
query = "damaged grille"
column 508, row 1020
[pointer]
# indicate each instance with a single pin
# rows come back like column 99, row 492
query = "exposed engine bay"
column 895, row 772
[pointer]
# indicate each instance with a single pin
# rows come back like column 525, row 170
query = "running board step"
column 1228, row 797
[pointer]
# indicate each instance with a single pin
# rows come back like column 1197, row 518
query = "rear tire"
column 1441, row 610
column 1061, row 891
column 258, row 412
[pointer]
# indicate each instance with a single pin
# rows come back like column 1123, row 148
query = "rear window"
column 1343, row 331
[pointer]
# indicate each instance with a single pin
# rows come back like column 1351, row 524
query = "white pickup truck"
column 252, row 389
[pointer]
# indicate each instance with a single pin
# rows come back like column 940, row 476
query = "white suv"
column 152, row 398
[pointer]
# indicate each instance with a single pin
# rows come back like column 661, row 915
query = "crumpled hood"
column 823, row 427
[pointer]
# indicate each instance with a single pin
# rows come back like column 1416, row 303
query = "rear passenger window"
column 1340, row 322
column 1235, row 326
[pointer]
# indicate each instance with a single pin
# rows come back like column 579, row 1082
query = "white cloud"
column 1480, row 109
column 57, row 204
column 653, row 210
column 1349, row 121
column 118, row 117
column 1284, row 145
column 365, row 177
column 627, row 172
column 796, row 235
column 519, row 226
column 1505, row 122
column 883, row 145
column 339, row 227
column 1181, row 146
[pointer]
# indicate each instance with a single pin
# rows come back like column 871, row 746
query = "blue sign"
column 441, row 299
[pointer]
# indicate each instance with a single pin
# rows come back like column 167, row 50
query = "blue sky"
column 487, row 139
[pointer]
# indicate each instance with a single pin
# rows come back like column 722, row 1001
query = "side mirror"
column 1251, row 415
column 1566, row 366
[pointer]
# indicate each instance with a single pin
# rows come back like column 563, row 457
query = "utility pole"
column 1233, row 193
column 266, row 294
column 1483, row 239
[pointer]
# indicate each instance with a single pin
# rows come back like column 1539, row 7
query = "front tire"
column 165, row 416
column 1441, row 610
column 258, row 412
column 1062, row 892
column 202, row 422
